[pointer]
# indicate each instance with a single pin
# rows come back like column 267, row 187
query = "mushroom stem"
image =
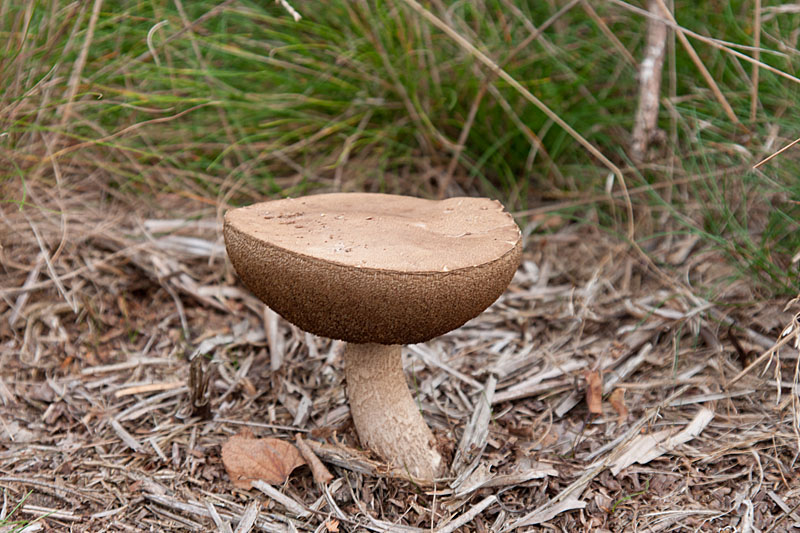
column 386, row 418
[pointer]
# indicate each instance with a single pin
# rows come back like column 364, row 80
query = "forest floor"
column 105, row 300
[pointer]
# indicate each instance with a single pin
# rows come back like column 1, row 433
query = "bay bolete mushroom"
column 377, row 271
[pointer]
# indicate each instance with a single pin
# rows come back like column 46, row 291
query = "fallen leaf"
column 594, row 392
column 247, row 459
column 332, row 526
column 617, row 400
column 318, row 470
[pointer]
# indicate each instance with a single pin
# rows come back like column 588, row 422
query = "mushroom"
column 377, row 271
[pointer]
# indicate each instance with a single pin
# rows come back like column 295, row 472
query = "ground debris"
column 95, row 380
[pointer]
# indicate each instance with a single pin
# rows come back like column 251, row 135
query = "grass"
column 7, row 523
column 368, row 95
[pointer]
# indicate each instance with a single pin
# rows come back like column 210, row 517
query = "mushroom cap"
column 379, row 268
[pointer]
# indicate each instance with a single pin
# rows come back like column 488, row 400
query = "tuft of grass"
column 235, row 99
column 15, row 525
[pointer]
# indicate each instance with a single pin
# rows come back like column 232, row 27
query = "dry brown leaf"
column 594, row 392
column 247, row 459
column 318, row 470
column 617, row 400
column 332, row 526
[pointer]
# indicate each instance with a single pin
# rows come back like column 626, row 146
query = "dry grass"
column 110, row 299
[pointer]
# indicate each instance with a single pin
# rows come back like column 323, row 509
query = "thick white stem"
column 387, row 420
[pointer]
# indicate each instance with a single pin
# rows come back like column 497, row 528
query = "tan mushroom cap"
column 380, row 268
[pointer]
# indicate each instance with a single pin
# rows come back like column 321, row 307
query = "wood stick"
column 646, row 121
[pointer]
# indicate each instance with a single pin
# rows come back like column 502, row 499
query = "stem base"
column 387, row 420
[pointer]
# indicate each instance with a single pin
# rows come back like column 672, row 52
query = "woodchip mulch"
column 105, row 303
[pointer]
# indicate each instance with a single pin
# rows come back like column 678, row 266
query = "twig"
column 782, row 504
column 127, row 365
column 22, row 299
column 126, row 437
column 43, row 512
column 57, row 490
column 473, row 441
column 193, row 508
column 274, row 339
column 51, row 269
column 646, row 120
column 248, row 517
column 149, row 39
column 150, row 387
column 291, row 505
column 222, row 525
column 779, row 152
column 356, row 461
column 288, row 7
column 469, row 516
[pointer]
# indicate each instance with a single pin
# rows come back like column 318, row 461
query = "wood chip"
column 127, row 365
column 291, row 505
column 645, row 448
column 536, row 384
column 47, row 512
column 151, row 387
column 195, row 508
column 248, row 517
column 223, row 526
column 274, row 339
column 546, row 513
column 126, row 437
column 468, row 516
column 473, row 441
column 785, row 508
